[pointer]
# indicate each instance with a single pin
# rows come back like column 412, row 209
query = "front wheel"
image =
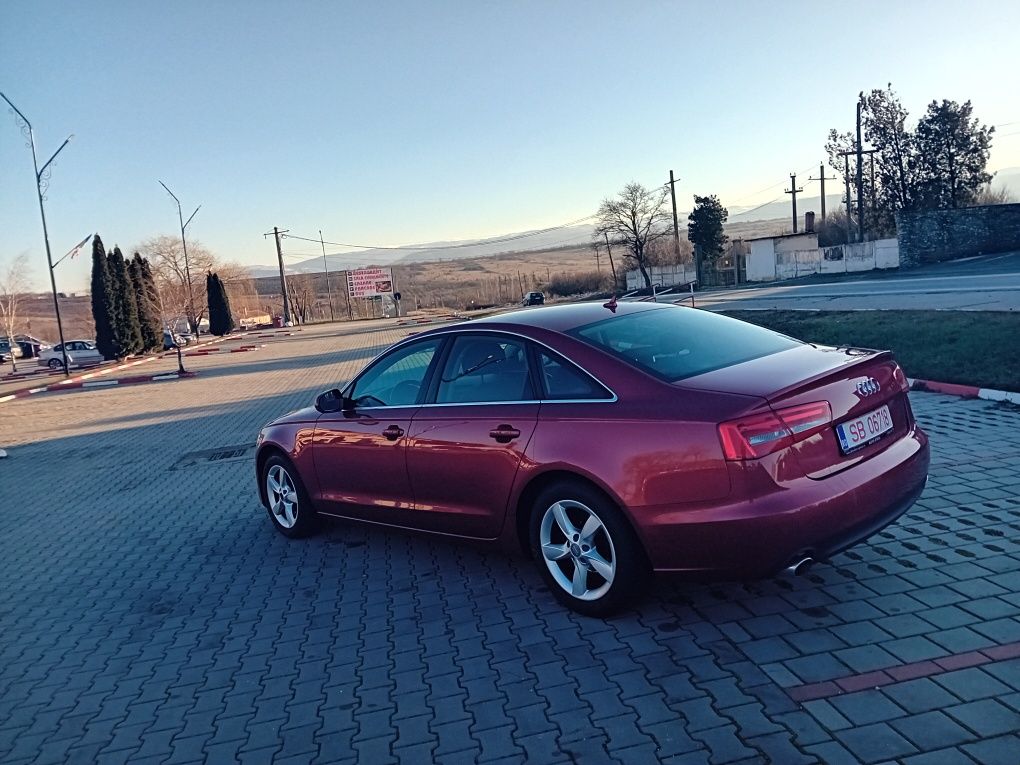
column 586, row 550
column 286, row 499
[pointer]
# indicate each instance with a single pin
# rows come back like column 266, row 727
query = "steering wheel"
column 405, row 392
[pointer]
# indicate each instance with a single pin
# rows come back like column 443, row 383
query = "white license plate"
column 863, row 430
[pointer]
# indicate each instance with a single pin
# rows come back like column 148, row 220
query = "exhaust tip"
column 799, row 568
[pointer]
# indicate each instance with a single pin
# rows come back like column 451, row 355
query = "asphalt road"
column 989, row 283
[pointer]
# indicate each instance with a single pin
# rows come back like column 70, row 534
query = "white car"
column 79, row 353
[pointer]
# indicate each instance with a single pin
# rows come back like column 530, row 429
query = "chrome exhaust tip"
column 799, row 568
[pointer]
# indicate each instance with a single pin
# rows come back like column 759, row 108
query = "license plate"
column 866, row 429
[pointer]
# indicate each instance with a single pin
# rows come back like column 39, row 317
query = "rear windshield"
column 674, row 343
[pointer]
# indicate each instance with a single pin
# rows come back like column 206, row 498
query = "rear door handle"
column 393, row 432
column 504, row 434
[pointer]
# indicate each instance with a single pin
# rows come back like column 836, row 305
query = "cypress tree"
column 148, row 317
column 101, row 309
column 127, row 330
column 221, row 321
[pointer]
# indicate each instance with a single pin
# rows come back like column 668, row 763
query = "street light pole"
column 192, row 319
column 42, row 211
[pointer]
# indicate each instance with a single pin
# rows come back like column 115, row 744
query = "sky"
column 391, row 123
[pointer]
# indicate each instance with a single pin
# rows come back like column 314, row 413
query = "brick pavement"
column 150, row 614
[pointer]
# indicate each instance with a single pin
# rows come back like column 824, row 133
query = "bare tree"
column 166, row 255
column 13, row 288
column 987, row 195
column 635, row 218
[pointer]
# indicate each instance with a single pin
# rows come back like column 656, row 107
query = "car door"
column 359, row 453
column 466, row 443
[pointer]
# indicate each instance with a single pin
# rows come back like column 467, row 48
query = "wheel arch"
column 263, row 454
column 536, row 484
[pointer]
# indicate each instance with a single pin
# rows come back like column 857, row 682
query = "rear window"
column 674, row 343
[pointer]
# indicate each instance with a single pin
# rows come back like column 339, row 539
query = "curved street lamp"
column 192, row 319
column 39, row 183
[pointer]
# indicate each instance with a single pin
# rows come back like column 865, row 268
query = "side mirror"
column 329, row 401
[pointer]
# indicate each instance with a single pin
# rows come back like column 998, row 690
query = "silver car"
column 80, row 353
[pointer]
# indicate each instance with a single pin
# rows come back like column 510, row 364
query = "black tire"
column 55, row 364
column 615, row 537
column 305, row 520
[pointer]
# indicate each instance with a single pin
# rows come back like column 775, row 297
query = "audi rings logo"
column 869, row 386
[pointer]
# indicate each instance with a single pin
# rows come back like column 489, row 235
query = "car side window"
column 485, row 369
column 397, row 379
column 565, row 381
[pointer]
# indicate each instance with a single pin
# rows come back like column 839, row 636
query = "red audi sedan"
column 608, row 442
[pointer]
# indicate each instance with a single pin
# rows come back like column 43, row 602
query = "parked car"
column 79, row 353
column 30, row 346
column 172, row 339
column 533, row 298
column 8, row 349
column 609, row 441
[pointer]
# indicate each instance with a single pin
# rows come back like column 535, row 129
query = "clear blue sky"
column 391, row 123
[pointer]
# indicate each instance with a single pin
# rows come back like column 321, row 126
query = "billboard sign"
column 369, row 282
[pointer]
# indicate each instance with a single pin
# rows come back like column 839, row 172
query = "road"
column 150, row 614
column 983, row 284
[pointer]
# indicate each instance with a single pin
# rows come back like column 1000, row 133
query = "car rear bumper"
column 798, row 519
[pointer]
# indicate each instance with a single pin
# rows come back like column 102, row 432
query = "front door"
column 465, row 447
column 360, row 453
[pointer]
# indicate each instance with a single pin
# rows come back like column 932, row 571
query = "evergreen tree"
column 101, row 308
column 127, row 330
column 148, row 316
column 705, row 227
column 221, row 321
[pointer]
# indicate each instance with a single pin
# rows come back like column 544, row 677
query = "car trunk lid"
column 854, row 382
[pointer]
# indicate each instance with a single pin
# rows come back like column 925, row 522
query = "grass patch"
column 967, row 347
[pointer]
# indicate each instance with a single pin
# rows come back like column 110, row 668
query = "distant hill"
column 744, row 222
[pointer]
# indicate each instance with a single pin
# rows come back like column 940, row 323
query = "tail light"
column 749, row 438
column 900, row 378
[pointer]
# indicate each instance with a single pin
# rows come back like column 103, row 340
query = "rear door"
column 465, row 445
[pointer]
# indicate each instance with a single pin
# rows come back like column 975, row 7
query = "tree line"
column 125, row 303
column 939, row 163
column 639, row 220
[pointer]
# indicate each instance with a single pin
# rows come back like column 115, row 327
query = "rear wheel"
column 286, row 499
column 55, row 364
column 585, row 549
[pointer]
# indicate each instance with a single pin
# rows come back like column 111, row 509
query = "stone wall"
column 937, row 235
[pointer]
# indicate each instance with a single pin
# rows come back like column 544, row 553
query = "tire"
column 55, row 364
column 595, row 573
column 286, row 500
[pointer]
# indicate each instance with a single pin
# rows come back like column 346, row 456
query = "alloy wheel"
column 577, row 549
column 282, row 495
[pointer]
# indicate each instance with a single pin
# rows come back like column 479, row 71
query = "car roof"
column 563, row 318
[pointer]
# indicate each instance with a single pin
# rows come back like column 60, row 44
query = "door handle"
column 393, row 432
column 504, row 434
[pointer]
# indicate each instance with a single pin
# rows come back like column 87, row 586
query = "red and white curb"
column 79, row 384
column 965, row 391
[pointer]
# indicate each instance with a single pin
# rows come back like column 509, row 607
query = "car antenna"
column 611, row 305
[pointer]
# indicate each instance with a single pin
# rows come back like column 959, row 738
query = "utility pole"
column 325, row 268
column 283, row 279
column 846, row 181
column 793, row 191
column 821, row 177
column 39, row 184
column 676, row 225
column 860, row 169
column 598, row 263
column 613, row 267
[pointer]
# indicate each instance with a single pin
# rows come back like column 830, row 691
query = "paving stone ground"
column 149, row 613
